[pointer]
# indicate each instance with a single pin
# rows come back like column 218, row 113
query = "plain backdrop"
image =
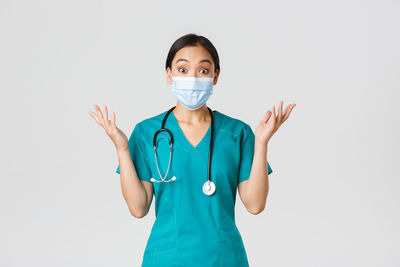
column 333, row 198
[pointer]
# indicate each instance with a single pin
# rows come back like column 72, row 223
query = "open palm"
column 271, row 122
column 117, row 136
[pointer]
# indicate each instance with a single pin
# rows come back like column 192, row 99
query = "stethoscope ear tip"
column 173, row 178
column 152, row 179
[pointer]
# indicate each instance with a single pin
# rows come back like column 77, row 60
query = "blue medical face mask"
column 192, row 92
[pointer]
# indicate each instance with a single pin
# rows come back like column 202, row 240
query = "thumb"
column 266, row 116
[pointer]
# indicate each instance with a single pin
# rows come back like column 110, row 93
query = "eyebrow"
column 184, row 59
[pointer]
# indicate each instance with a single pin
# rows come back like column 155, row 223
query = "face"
column 192, row 61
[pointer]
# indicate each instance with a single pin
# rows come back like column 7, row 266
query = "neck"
column 193, row 116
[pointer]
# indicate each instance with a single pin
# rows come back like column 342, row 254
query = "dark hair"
column 192, row 39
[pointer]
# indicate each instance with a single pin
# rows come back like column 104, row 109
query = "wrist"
column 122, row 150
column 261, row 146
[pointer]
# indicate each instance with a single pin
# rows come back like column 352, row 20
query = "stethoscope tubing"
column 162, row 129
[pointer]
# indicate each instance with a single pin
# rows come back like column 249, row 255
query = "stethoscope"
column 209, row 186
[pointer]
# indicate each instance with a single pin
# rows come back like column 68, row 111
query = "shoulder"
column 235, row 126
column 150, row 124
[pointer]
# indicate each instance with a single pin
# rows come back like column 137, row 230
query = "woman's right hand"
column 117, row 136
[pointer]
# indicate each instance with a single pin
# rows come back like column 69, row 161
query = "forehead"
column 193, row 54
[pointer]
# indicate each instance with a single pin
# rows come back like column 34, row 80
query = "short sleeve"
column 138, row 155
column 247, row 153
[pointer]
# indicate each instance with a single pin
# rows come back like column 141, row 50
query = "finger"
column 289, row 109
column 98, row 111
column 285, row 113
column 95, row 117
column 280, row 114
column 113, row 119
column 273, row 114
column 266, row 116
column 99, row 115
column 106, row 122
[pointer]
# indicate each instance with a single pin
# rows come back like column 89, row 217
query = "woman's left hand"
column 271, row 122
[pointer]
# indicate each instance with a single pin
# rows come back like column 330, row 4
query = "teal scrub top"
column 191, row 228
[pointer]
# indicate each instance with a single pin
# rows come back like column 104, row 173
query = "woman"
column 194, row 194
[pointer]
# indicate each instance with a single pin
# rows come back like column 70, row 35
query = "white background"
column 333, row 197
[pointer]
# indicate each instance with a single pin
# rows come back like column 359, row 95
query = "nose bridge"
column 193, row 72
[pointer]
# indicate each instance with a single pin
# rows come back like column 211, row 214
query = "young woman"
column 194, row 165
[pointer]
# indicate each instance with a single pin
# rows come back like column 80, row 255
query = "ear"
column 168, row 75
column 216, row 75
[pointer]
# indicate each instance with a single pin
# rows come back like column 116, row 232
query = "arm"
column 254, row 191
column 137, row 193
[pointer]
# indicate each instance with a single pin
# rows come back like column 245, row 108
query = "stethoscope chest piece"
column 208, row 188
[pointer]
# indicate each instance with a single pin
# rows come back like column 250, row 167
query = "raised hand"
column 117, row 136
column 271, row 122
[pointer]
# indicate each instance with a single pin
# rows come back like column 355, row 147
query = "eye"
column 179, row 69
column 205, row 70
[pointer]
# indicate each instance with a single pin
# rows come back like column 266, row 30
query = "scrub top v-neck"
column 191, row 228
